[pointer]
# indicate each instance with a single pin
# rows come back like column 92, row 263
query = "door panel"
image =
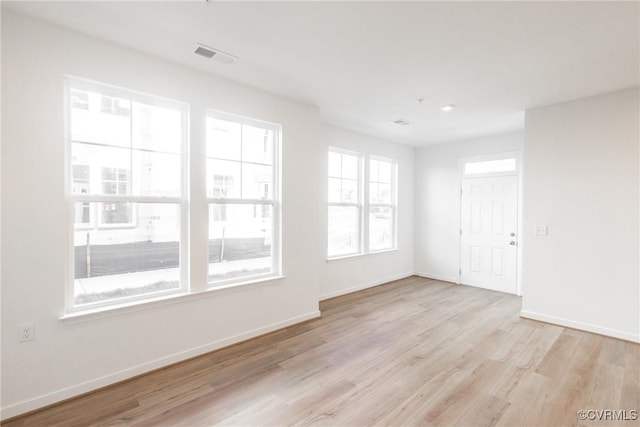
column 489, row 212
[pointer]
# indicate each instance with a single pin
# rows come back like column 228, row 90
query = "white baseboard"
column 60, row 395
column 451, row 279
column 627, row 336
column 364, row 286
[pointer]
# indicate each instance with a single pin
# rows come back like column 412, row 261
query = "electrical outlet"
column 27, row 332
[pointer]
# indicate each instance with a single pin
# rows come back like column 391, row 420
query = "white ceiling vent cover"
column 214, row 54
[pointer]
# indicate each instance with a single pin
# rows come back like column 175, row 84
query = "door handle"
column 512, row 243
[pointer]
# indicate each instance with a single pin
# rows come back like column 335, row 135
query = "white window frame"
column 275, row 202
column 364, row 203
column 181, row 201
column 359, row 204
column 393, row 205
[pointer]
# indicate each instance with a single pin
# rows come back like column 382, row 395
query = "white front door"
column 489, row 214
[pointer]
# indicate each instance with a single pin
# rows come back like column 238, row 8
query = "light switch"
column 541, row 230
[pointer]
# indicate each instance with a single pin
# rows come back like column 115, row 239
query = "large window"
column 352, row 217
column 243, row 194
column 127, row 190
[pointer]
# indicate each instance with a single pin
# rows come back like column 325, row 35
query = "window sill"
column 160, row 301
column 348, row 257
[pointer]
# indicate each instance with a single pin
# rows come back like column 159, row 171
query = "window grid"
column 340, row 205
column 263, row 205
column 382, row 203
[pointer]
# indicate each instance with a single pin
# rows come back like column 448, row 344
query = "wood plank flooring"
column 412, row 352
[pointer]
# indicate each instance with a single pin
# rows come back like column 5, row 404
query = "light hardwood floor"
column 411, row 352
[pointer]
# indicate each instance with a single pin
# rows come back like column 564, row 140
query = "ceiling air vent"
column 214, row 54
column 401, row 122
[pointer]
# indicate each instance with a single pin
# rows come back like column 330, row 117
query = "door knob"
column 512, row 243
column 512, row 234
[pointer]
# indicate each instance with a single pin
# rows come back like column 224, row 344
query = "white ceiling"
column 364, row 64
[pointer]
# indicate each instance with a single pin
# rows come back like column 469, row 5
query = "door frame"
column 517, row 155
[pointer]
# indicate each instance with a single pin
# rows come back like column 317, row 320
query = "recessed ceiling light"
column 401, row 122
column 448, row 107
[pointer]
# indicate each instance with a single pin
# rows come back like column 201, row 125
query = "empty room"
column 320, row 213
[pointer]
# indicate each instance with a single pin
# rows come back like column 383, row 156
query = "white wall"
column 346, row 275
column 581, row 179
column 437, row 201
column 70, row 357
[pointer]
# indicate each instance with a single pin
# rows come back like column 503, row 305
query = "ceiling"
column 365, row 64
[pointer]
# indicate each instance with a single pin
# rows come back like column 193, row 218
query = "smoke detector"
column 214, row 54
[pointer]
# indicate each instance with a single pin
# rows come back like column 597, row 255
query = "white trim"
column 91, row 385
column 614, row 333
column 365, row 286
column 451, row 279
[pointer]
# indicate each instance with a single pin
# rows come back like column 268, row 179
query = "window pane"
column 349, row 191
column 374, row 170
column 385, row 172
column 335, row 190
column 240, row 240
column 117, row 213
column 374, row 189
column 257, row 145
column 335, row 164
column 80, row 179
column 112, row 263
column 223, row 179
column 257, row 181
column 102, row 120
column 384, row 194
column 105, row 163
column 223, row 139
column 380, row 228
column 157, row 128
column 350, row 166
column 502, row 165
column 156, row 174
column 79, row 100
column 82, row 214
column 344, row 230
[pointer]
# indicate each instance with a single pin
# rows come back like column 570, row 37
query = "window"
column 242, row 161
column 381, row 204
column 490, row 166
column 127, row 170
column 345, row 207
column 346, row 222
